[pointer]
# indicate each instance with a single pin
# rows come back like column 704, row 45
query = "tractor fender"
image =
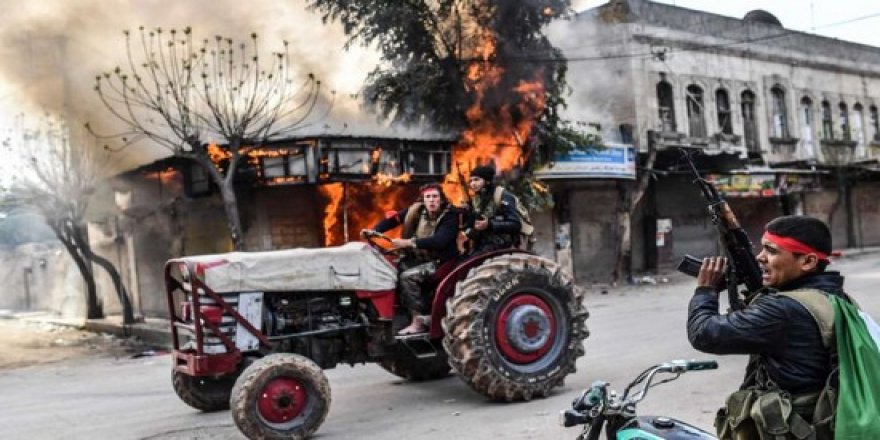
column 446, row 287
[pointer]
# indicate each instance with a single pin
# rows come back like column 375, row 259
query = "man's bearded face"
column 476, row 183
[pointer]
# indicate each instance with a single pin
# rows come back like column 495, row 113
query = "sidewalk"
column 152, row 331
column 157, row 331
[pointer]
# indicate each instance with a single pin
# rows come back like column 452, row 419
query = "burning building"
column 304, row 192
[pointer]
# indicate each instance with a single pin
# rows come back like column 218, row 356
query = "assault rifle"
column 743, row 267
column 462, row 242
column 464, row 187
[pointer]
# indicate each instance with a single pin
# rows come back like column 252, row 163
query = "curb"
column 150, row 334
column 152, row 331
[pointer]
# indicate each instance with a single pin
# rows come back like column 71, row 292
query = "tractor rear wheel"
column 280, row 397
column 515, row 327
column 203, row 393
column 407, row 366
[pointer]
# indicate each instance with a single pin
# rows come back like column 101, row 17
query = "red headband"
column 430, row 188
column 796, row 246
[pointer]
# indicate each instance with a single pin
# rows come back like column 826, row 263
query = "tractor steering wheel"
column 373, row 239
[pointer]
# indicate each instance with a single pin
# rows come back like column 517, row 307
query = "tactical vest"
column 763, row 411
column 485, row 206
column 488, row 208
column 417, row 224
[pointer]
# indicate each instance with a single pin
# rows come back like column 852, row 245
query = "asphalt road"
column 632, row 328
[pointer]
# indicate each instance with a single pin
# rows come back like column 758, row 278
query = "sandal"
column 418, row 325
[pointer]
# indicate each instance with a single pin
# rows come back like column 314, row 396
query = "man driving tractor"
column 430, row 227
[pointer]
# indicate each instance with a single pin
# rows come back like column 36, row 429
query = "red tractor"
column 252, row 331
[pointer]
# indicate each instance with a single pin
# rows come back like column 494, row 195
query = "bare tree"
column 181, row 94
column 630, row 196
column 56, row 180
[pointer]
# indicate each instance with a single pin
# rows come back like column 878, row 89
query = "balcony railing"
column 837, row 151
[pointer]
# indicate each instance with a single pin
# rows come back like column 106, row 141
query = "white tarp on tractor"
column 354, row 266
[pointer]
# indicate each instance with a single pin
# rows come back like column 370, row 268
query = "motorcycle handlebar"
column 680, row 366
column 702, row 365
column 587, row 401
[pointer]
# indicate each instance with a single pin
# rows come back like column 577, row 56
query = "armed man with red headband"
column 786, row 329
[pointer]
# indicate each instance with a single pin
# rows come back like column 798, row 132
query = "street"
column 631, row 328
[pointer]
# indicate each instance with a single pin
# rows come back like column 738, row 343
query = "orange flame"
column 333, row 192
column 285, row 180
column 494, row 135
column 497, row 133
column 352, row 207
column 387, row 179
column 165, row 176
column 217, row 154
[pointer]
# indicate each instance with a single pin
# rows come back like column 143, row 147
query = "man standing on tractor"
column 496, row 223
column 786, row 328
column 430, row 227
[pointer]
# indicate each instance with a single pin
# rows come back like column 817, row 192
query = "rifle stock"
column 743, row 266
column 462, row 242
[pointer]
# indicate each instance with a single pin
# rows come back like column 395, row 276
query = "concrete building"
column 787, row 123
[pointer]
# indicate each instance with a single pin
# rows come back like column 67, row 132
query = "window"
column 352, row 161
column 858, row 127
column 722, row 107
column 875, row 122
column 196, row 180
column 426, row 160
column 807, row 126
column 666, row 107
column 626, row 133
column 827, row 123
column 281, row 165
column 696, row 120
column 284, row 166
column 780, row 116
column 347, row 157
column 844, row 122
column 750, row 127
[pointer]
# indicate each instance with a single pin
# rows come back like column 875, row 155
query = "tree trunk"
column 94, row 309
column 630, row 197
column 230, row 204
column 226, row 184
column 623, row 266
column 121, row 292
column 844, row 197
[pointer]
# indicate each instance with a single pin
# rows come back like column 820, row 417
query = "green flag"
column 858, row 405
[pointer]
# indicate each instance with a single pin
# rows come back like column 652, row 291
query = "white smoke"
column 51, row 51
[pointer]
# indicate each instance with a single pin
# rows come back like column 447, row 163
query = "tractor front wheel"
column 280, row 397
column 203, row 393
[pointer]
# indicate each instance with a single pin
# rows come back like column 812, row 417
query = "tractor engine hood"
column 353, row 266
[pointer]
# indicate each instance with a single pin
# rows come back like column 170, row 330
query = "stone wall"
column 41, row 276
column 593, row 210
column 866, row 202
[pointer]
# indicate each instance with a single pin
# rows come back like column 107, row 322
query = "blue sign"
column 612, row 161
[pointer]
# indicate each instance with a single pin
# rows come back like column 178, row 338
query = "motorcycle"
column 599, row 406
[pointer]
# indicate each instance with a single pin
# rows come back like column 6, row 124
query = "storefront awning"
column 765, row 182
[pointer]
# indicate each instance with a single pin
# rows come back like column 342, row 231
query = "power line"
column 851, row 20
column 785, row 33
column 699, row 47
